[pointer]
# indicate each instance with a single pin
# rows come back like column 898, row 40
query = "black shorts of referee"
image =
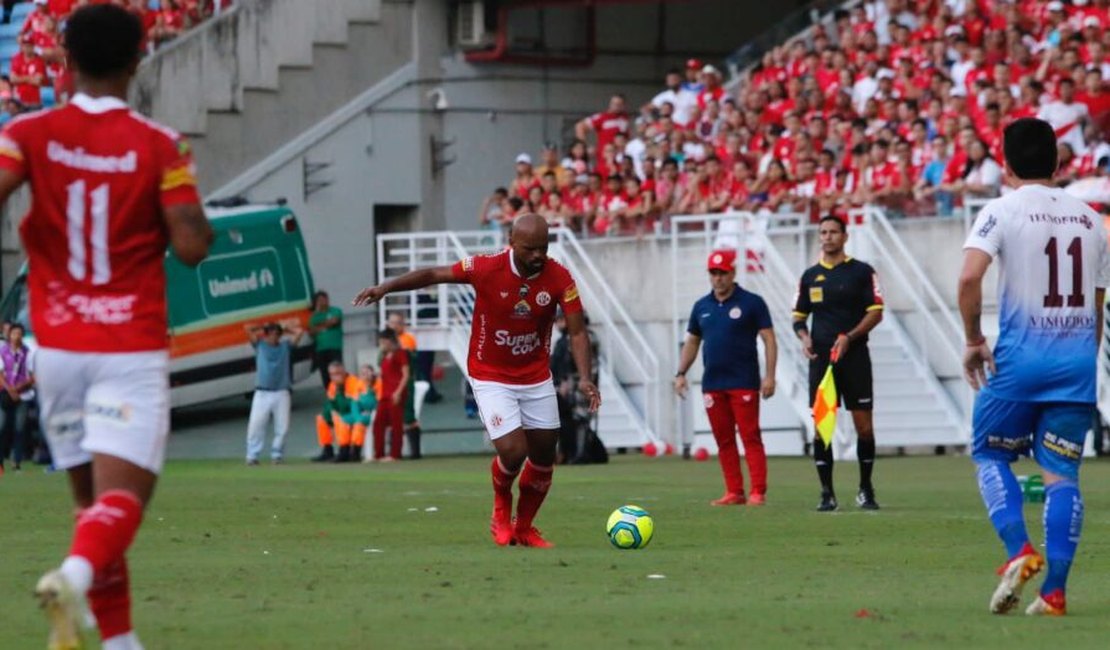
column 852, row 375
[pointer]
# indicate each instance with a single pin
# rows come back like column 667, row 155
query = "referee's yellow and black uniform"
column 839, row 297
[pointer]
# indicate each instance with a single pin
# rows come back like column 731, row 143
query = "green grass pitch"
column 304, row 556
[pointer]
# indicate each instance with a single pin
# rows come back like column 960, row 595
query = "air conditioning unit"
column 472, row 24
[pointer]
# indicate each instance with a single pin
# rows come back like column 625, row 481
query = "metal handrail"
column 631, row 341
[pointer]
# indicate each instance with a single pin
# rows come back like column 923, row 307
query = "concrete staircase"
column 267, row 70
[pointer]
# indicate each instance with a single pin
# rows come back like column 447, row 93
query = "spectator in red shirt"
column 28, row 73
column 34, row 21
column 605, row 125
column 391, row 407
column 525, row 177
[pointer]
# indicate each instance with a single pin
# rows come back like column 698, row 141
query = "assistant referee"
column 846, row 301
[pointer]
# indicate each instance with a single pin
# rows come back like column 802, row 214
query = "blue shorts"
column 1052, row 432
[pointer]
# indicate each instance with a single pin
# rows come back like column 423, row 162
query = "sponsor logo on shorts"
column 496, row 421
column 1063, row 447
column 865, row 400
column 116, row 412
column 708, row 401
column 1009, row 444
column 543, row 299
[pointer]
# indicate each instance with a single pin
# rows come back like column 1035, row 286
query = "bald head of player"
column 528, row 240
column 102, row 44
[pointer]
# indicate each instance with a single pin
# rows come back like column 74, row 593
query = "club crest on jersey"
column 522, row 310
column 504, row 294
column 734, row 313
column 543, row 299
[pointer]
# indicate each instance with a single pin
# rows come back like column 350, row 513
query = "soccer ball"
column 630, row 527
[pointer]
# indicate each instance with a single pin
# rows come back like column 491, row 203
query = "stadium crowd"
column 896, row 103
column 40, row 61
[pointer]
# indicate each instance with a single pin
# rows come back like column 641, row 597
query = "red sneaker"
column 501, row 526
column 729, row 499
column 756, row 499
column 1053, row 604
column 531, row 537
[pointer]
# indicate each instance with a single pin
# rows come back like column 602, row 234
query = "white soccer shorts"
column 106, row 403
column 507, row 407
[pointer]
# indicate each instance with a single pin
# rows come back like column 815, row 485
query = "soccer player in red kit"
column 391, row 408
column 109, row 191
column 517, row 292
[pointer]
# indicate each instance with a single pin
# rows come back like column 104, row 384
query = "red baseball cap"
column 722, row 260
column 694, row 64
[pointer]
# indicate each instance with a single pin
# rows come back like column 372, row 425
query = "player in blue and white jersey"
column 1037, row 387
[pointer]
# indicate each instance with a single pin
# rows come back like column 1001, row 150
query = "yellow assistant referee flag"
column 824, row 407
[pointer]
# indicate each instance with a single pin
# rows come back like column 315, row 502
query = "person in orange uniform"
column 340, row 419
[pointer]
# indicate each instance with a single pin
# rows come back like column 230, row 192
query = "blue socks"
column 1063, row 521
column 1002, row 496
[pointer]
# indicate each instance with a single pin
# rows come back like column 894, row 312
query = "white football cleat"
column 65, row 609
column 1015, row 574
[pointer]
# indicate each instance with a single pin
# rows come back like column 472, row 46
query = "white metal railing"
column 941, row 331
column 625, row 351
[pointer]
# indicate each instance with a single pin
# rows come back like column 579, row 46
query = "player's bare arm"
column 410, row 281
column 977, row 353
column 580, row 350
column 771, row 359
column 686, row 359
column 190, row 232
column 9, row 182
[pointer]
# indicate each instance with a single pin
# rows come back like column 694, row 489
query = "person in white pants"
column 272, row 385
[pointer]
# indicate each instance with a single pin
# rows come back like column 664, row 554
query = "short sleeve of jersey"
column 762, row 314
column 596, row 120
column 872, row 291
column 468, row 269
column 11, row 149
column 986, row 235
column 692, row 326
column 569, row 300
column 178, row 174
column 802, row 305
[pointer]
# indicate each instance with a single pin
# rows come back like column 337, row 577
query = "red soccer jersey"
column 393, row 366
column 95, row 238
column 608, row 125
column 510, row 336
column 28, row 66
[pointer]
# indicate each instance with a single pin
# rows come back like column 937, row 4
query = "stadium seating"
column 846, row 113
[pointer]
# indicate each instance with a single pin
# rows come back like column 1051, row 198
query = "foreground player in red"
column 109, row 191
column 517, row 292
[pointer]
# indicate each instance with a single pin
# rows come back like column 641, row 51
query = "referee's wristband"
column 680, row 373
column 799, row 326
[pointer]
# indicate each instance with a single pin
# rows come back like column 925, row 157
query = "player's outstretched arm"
column 410, row 281
column 9, row 182
column 190, row 232
column 580, row 350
